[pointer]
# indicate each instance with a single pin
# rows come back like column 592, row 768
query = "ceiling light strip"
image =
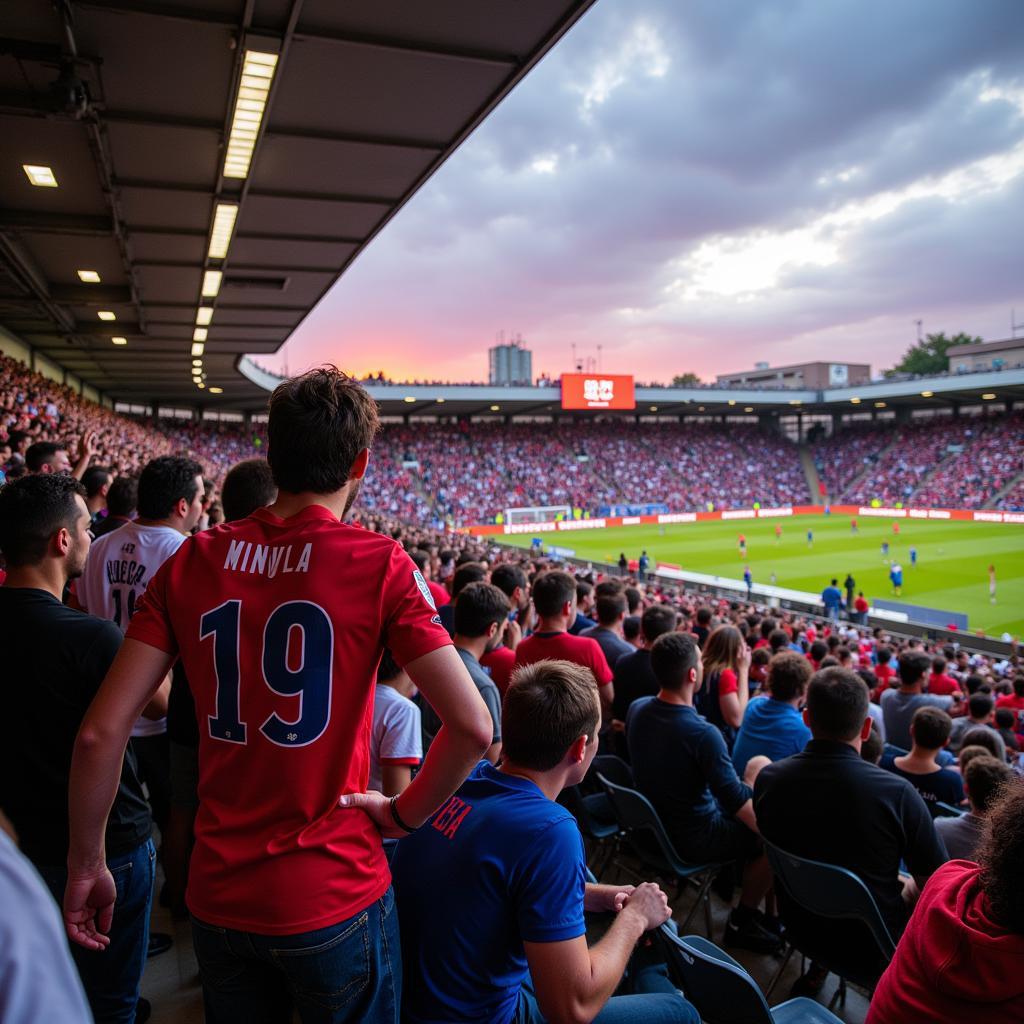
column 250, row 106
column 223, row 225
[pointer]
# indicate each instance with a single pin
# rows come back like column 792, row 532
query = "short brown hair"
column 837, row 704
column 984, row 776
column 788, row 675
column 319, row 422
column 547, row 707
column 551, row 590
column 610, row 607
column 931, row 728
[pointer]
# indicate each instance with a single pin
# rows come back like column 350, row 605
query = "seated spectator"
column 773, row 725
column 1015, row 702
column 681, row 764
column 983, row 778
column 872, row 748
column 987, row 738
column 122, row 499
column 584, row 607
column 634, row 677
column 554, row 598
column 466, row 573
column 929, row 733
column 723, row 698
column 980, row 715
column 249, row 485
column 829, row 804
column 939, row 682
column 611, row 613
column 512, row 582
column 1005, row 720
column 631, row 632
column 481, row 612
column 884, row 673
column 959, row 959
column 396, row 746
column 759, row 660
column 491, row 891
column 703, row 625
column 898, row 706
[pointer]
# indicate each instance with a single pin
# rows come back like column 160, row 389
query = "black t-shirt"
column 633, row 678
column 54, row 660
column 828, row 804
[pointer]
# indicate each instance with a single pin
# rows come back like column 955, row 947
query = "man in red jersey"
column 554, row 598
column 280, row 620
column 511, row 581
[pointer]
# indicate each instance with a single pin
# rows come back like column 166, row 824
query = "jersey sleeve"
column 549, row 885
column 727, row 682
column 599, row 664
column 412, row 627
column 402, row 742
column 151, row 623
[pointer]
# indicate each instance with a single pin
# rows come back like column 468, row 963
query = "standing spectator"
column 723, row 698
column 929, row 733
column 271, row 769
column 984, row 777
column 122, row 500
column 58, row 663
column 554, row 598
column 96, row 480
column 623, row 564
column 642, row 565
column 970, row 916
column 832, row 599
column 773, row 726
column 898, row 706
column 396, row 746
column 861, row 608
column 849, row 585
column 120, row 568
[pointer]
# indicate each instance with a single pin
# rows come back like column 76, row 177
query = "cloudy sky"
column 700, row 185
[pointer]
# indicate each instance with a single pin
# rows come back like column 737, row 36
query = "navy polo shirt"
column 497, row 865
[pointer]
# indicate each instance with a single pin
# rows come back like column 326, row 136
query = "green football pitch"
column 951, row 571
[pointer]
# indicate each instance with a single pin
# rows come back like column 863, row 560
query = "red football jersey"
column 583, row 650
column 280, row 624
column 500, row 663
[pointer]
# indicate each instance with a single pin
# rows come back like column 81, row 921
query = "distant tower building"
column 511, row 363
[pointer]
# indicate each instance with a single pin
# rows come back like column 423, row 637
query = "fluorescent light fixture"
column 199, row 334
column 119, row 341
column 250, row 106
column 732, row 401
column 88, row 277
column 204, row 314
column 197, row 363
column 440, row 401
column 854, row 401
column 40, row 176
column 106, row 314
column 988, row 396
column 197, row 348
column 200, row 385
column 879, row 405
column 211, row 283
column 495, row 408
column 220, row 235
column 795, row 401
column 748, row 408
column 216, row 391
column 654, row 408
column 408, row 398
column 927, row 394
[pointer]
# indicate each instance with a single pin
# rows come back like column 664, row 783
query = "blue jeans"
column 655, row 1000
column 350, row 971
column 111, row 977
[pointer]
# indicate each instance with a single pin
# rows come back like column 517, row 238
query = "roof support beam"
column 54, row 223
column 201, row 190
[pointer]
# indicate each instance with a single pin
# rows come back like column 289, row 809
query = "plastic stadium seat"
column 723, row 992
column 828, row 893
column 943, row 810
column 648, row 839
column 613, row 768
column 596, row 821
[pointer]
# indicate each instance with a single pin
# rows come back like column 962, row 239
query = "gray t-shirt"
column 492, row 698
column 898, row 710
column 961, row 835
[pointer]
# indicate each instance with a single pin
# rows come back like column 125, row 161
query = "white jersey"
column 120, row 565
column 396, row 736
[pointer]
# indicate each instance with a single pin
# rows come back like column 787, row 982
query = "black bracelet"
column 398, row 818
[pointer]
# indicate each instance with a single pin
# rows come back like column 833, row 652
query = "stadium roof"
column 134, row 132
column 944, row 391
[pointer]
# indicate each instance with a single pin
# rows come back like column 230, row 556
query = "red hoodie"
column 954, row 964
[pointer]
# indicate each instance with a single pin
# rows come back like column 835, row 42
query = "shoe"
column 159, row 942
column 143, row 1010
column 809, row 984
column 752, row 936
column 770, row 923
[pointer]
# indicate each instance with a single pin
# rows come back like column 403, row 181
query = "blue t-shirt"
column 770, row 727
column 681, row 764
column 497, row 865
column 832, row 597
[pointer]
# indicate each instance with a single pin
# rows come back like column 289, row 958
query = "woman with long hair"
column 723, row 698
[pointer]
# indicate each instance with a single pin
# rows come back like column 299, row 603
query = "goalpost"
column 537, row 514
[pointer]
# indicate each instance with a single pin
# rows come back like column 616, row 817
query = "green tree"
column 685, row 380
column 929, row 356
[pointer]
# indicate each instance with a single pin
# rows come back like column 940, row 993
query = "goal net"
column 537, row 514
